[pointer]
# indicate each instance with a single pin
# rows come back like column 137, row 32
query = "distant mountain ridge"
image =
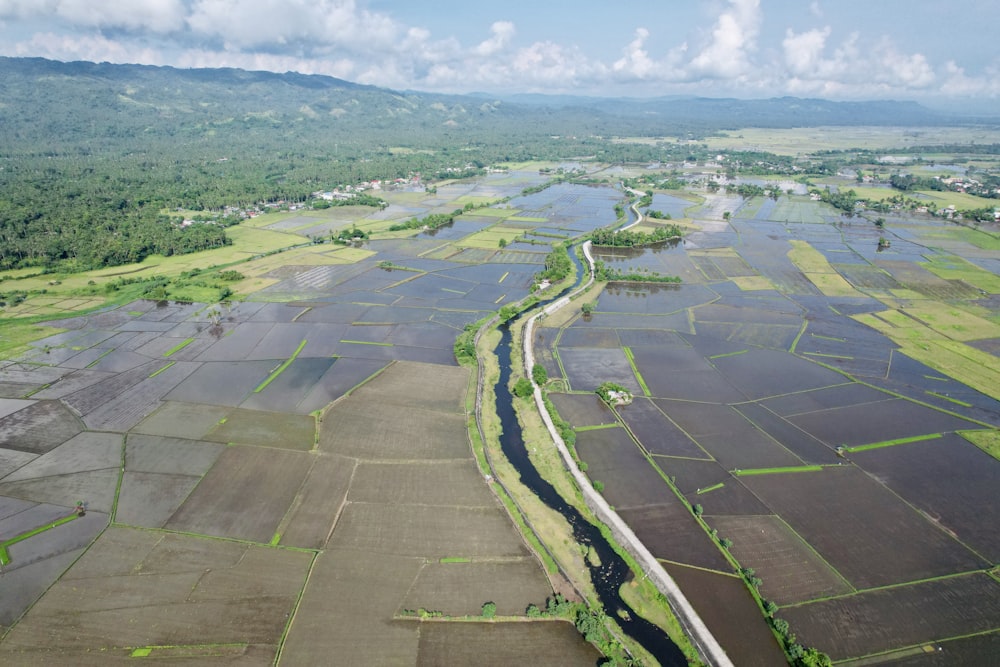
column 39, row 97
column 775, row 111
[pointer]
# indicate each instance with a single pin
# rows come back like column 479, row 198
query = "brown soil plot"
column 864, row 531
column 244, row 495
column 790, row 570
column 882, row 620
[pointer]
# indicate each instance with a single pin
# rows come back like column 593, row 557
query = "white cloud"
column 347, row 39
column 958, row 84
column 804, row 52
column 158, row 16
column 636, row 60
column 733, row 39
column 302, row 25
column 94, row 48
column 503, row 32
column 905, row 70
column 877, row 69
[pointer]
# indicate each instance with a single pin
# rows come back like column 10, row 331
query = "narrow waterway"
column 612, row 572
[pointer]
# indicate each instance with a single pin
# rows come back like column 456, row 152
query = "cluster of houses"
column 348, row 191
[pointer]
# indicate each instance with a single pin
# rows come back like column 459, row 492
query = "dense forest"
column 92, row 156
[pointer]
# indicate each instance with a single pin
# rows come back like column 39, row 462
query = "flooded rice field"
column 307, row 449
column 830, row 455
column 304, row 454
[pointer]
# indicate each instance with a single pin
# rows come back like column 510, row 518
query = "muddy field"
column 732, row 616
column 762, row 365
column 324, row 425
column 231, row 447
column 882, row 620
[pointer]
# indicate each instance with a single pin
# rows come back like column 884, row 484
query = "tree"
column 726, row 215
column 539, row 374
column 489, row 609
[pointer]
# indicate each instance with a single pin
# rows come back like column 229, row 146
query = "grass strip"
column 365, row 342
column 728, row 354
column 775, row 471
column 986, row 440
column 512, row 509
column 180, row 346
column 280, row 369
column 503, row 277
column 5, row 556
column 890, row 443
column 455, row 559
column 798, row 337
column 635, row 370
column 949, row 399
column 155, row 373
column 710, row 488
column 201, row 650
column 98, row 359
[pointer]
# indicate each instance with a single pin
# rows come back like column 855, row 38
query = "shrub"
column 523, row 388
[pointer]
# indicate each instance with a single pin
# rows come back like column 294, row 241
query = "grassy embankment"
column 648, row 601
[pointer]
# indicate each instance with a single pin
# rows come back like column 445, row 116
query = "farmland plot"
column 139, row 588
column 731, row 614
column 503, row 644
column 864, row 531
column 878, row 621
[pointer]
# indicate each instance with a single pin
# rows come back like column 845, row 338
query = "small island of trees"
column 610, row 238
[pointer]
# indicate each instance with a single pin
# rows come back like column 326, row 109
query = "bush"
column 489, row 610
column 539, row 374
column 523, row 388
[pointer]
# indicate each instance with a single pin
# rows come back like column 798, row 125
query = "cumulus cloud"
column 94, row 48
column 734, row 36
column 347, row 39
column 876, row 69
column 302, row 24
column 158, row 16
column 804, row 52
column 636, row 60
column 503, row 32
column 959, row 84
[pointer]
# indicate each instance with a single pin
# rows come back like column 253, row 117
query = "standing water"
column 612, row 571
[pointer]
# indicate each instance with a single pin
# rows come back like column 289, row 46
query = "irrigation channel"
column 612, row 571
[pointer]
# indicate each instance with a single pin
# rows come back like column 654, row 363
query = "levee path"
column 708, row 647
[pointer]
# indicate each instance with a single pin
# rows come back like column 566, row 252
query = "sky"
column 939, row 53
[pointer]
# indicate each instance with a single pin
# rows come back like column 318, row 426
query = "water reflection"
column 631, row 291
